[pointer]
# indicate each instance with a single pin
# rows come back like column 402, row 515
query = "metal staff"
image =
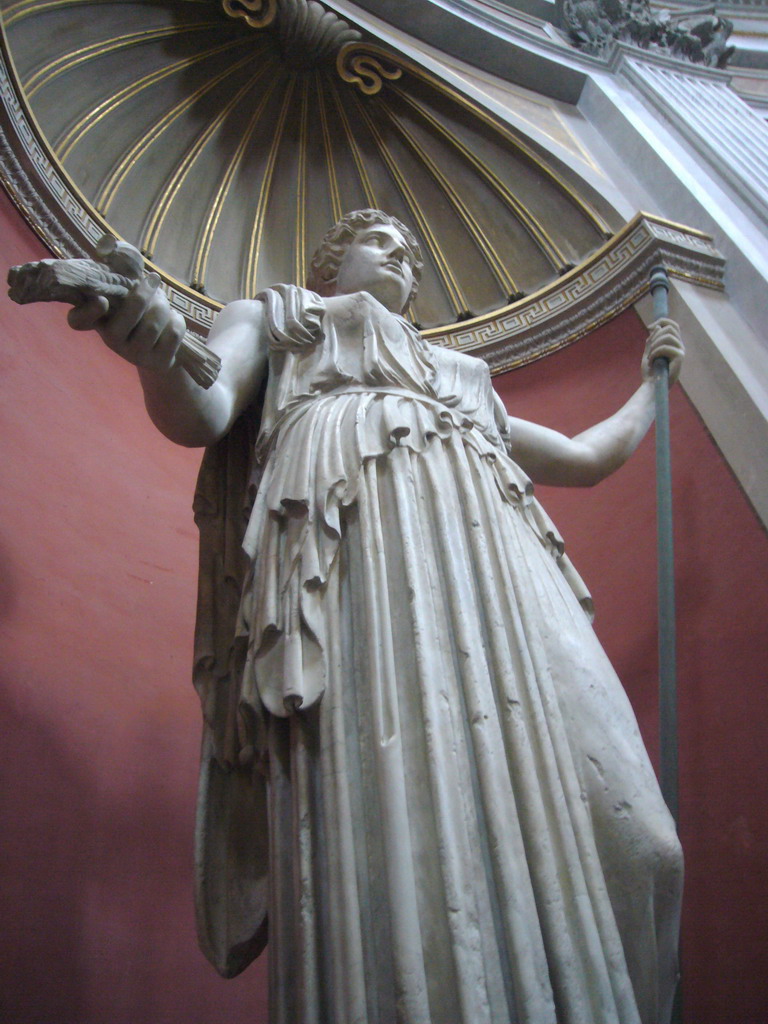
column 666, row 571
column 668, row 762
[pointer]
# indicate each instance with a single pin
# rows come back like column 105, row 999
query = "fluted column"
column 711, row 117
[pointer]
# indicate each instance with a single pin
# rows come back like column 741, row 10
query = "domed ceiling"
column 223, row 139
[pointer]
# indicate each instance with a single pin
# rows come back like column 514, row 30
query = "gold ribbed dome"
column 225, row 152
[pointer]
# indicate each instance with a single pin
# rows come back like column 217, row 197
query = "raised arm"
column 146, row 331
column 549, row 457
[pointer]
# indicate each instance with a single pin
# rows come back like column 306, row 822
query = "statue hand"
column 141, row 328
column 664, row 342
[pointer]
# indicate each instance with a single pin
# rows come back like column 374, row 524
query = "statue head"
column 324, row 268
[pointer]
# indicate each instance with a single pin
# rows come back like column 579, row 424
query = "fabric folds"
column 464, row 825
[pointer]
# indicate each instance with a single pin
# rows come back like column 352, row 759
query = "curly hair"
column 327, row 259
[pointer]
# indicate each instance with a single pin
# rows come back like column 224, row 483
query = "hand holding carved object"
column 118, row 269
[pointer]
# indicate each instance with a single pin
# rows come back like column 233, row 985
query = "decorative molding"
column 611, row 280
column 43, row 197
column 43, row 220
column 366, row 65
column 309, row 35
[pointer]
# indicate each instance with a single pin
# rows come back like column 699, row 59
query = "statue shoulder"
column 241, row 312
column 243, row 327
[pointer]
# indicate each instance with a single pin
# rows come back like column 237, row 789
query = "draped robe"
column 415, row 730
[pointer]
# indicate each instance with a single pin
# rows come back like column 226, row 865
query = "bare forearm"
column 610, row 443
column 549, row 457
column 186, row 413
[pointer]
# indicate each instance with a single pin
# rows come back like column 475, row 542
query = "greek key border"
column 604, row 285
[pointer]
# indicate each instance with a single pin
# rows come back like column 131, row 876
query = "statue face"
column 377, row 261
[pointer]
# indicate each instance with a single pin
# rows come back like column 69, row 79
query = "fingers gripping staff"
column 96, row 287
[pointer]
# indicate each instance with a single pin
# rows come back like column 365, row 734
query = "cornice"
column 611, row 280
column 620, row 53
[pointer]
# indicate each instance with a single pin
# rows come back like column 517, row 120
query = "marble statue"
column 410, row 724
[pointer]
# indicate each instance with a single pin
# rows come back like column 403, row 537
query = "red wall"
column 100, row 723
column 97, row 569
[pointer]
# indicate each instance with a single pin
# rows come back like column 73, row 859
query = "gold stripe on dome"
column 531, row 224
column 114, row 181
column 75, row 135
column 447, row 278
column 499, row 271
column 300, row 254
column 25, row 8
column 370, row 195
column 337, row 208
column 69, row 61
column 254, row 247
column 169, row 192
column 530, row 154
column 200, row 266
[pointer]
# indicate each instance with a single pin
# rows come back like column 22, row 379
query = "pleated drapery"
column 464, row 825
